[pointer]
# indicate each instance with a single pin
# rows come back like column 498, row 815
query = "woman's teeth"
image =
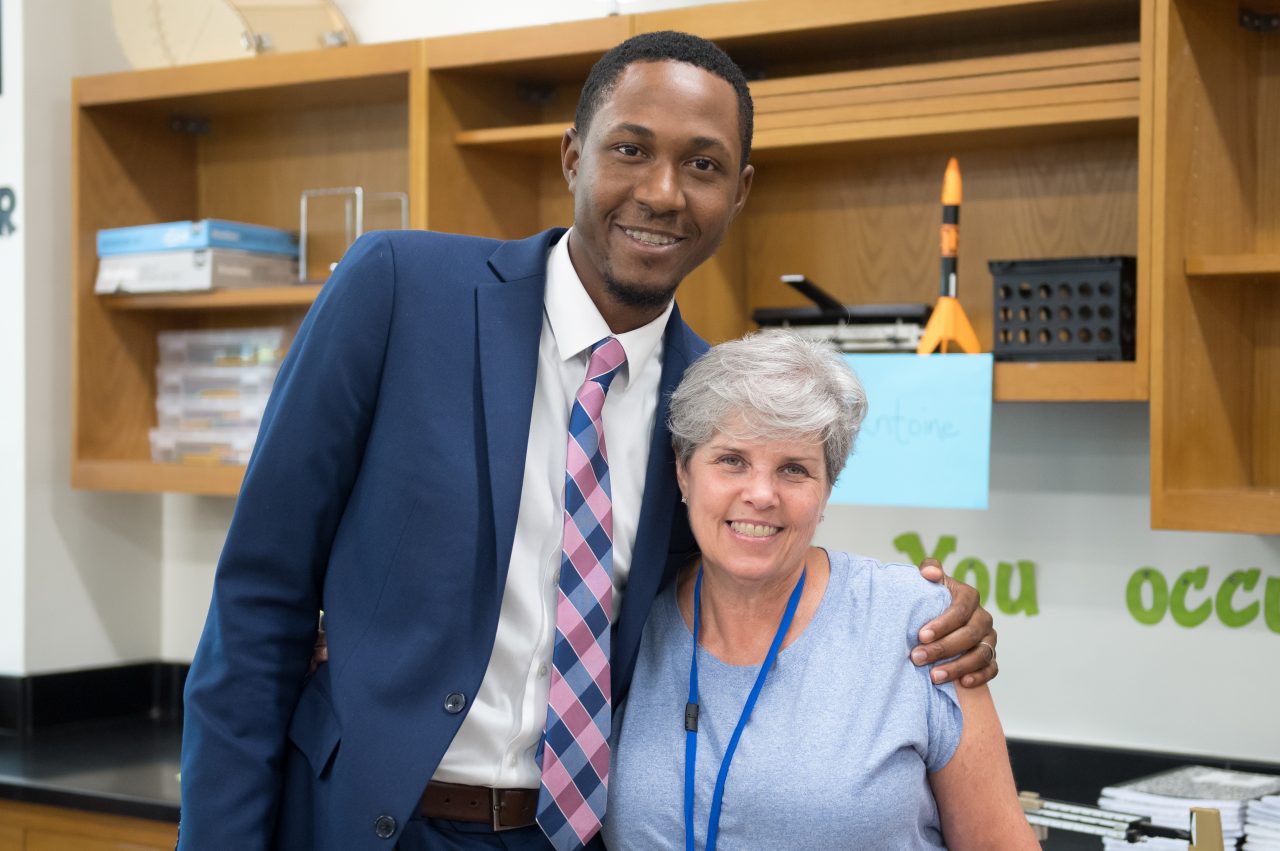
column 753, row 530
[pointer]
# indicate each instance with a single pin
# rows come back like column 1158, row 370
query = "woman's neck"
column 738, row 620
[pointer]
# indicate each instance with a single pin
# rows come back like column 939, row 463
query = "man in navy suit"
column 408, row 481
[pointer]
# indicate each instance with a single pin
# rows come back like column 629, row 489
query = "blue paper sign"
column 926, row 440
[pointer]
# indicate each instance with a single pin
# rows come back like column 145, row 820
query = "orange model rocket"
column 948, row 327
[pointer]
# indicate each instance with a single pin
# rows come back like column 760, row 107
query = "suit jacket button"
column 384, row 827
column 454, row 703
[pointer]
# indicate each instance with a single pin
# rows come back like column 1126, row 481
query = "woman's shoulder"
column 887, row 589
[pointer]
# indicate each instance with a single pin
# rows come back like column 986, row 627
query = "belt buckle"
column 495, row 810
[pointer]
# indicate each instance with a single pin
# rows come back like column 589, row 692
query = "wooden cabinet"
column 1215, row 398
column 35, row 827
column 1068, row 117
column 234, row 140
column 858, row 107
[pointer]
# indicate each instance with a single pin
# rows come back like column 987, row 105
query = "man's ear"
column 570, row 153
column 745, row 179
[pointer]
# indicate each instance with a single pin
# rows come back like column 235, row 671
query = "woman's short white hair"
column 770, row 385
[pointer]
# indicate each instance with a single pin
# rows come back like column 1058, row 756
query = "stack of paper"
column 204, row 255
column 1168, row 797
column 1262, row 824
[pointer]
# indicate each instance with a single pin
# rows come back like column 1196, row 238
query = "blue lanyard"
column 691, row 717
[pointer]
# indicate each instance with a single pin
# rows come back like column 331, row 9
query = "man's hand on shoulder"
column 964, row 630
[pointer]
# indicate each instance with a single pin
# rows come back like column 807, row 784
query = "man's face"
column 656, row 180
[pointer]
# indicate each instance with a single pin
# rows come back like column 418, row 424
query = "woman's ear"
column 682, row 479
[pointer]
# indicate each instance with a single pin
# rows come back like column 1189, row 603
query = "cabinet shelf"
column 1232, row 265
column 301, row 295
column 1121, row 381
column 141, row 476
column 1015, row 124
column 1242, row 509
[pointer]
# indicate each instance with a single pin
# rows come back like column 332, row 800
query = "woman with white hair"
column 770, row 705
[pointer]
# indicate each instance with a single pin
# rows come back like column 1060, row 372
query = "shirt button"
column 384, row 827
column 542, row 670
column 555, row 578
column 454, row 703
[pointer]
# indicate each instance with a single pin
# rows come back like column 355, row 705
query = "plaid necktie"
column 575, row 758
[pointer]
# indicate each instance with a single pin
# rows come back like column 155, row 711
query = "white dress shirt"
column 500, row 735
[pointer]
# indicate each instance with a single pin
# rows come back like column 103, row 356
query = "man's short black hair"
column 658, row 47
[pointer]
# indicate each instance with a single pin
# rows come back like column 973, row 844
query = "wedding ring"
column 990, row 648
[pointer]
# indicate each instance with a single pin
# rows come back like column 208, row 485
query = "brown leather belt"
column 503, row 809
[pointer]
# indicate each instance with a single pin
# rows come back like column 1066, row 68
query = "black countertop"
column 125, row 767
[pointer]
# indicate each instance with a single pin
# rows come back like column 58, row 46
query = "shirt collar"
column 575, row 322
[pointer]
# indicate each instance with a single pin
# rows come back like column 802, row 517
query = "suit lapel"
column 508, row 326
column 653, row 533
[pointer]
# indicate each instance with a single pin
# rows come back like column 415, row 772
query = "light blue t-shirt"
column 837, row 751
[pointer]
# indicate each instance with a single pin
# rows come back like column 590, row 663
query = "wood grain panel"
column 146, row 477
column 955, row 72
column 481, row 192
column 1267, row 112
column 60, row 829
column 129, row 170
column 866, row 229
column 951, row 87
column 254, row 166
column 369, row 68
column 1205, row 415
column 1265, row 309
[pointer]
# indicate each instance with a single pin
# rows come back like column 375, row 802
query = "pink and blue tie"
column 575, row 757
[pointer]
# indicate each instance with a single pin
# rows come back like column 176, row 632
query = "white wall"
column 12, row 333
column 1069, row 492
column 91, row 561
column 394, row 20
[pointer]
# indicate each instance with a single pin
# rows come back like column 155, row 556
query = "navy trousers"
column 441, row 835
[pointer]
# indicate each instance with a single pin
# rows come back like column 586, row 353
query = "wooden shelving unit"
column 1083, row 128
column 234, row 140
column 1215, row 389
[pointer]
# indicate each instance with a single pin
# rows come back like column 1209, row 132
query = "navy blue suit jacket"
column 384, row 488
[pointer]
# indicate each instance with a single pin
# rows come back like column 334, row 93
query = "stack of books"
column 211, row 391
column 1262, row 824
column 1168, row 797
column 191, row 256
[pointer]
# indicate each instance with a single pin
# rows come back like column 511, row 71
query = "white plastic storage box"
column 214, row 381
column 202, row 447
column 223, row 347
column 214, row 413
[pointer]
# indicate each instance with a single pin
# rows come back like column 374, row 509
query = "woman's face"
column 754, row 504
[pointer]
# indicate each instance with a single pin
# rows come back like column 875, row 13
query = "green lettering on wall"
column 1272, row 604
column 909, row 544
column 1026, row 600
column 1183, row 616
column 1159, row 595
column 981, row 580
column 1227, row 612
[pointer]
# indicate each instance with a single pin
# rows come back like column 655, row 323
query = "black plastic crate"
column 1067, row 309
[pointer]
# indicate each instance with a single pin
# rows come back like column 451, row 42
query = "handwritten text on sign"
column 926, row 440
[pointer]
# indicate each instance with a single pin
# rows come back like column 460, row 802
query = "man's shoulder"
column 430, row 241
